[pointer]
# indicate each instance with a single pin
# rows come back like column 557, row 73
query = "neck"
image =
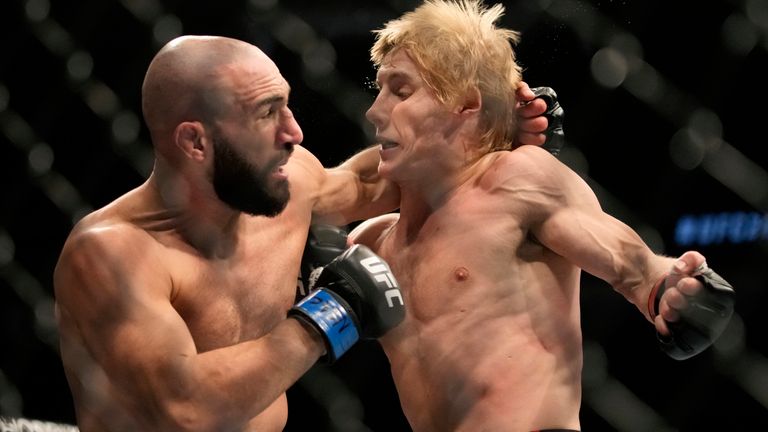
column 428, row 193
column 191, row 208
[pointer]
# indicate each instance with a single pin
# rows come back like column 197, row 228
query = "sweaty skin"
column 140, row 308
column 171, row 303
column 488, row 251
column 491, row 340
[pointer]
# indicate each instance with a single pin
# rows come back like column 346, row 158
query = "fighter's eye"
column 268, row 112
column 402, row 92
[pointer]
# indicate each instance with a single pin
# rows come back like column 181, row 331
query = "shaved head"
column 186, row 79
column 208, row 104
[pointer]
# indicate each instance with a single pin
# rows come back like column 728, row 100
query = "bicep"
column 119, row 305
column 121, row 324
column 565, row 216
column 596, row 242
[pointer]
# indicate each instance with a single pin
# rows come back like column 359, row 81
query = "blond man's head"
column 459, row 49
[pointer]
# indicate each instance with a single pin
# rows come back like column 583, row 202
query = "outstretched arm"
column 567, row 218
column 353, row 190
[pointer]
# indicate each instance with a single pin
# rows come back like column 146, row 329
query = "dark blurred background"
column 664, row 118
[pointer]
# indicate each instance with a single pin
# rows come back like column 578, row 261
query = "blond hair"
column 458, row 47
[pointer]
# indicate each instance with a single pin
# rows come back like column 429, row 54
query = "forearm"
column 223, row 389
column 639, row 279
column 628, row 264
column 609, row 249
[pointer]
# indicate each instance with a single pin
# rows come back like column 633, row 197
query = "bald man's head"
column 184, row 82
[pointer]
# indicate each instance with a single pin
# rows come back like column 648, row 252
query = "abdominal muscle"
column 487, row 352
column 491, row 340
column 484, row 374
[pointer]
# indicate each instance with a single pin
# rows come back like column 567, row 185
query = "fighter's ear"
column 190, row 138
column 471, row 102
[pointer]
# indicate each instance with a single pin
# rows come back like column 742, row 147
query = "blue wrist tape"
column 332, row 319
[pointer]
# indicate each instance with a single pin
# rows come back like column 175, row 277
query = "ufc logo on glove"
column 356, row 288
column 381, row 273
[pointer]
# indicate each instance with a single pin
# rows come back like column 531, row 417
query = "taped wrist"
column 330, row 315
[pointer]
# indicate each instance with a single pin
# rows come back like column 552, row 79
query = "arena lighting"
column 721, row 228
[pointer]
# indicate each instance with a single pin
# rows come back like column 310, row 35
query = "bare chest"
column 224, row 302
column 463, row 254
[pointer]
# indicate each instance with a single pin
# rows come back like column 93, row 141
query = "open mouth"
column 281, row 163
column 386, row 144
column 279, row 168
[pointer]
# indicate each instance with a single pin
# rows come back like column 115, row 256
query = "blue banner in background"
column 719, row 228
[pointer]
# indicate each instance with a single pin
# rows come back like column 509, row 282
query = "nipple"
column 461, row 274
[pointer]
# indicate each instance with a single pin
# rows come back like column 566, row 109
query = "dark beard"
column 245, row 187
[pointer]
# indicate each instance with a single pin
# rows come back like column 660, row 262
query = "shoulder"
column 305, row 165
column 526, row 162
column 305, row 159
column 107, row 234
column 100, row 253
column 371, row 231
column 306, row 174
column 520, row 171
column 530, row 176
column 531, row 165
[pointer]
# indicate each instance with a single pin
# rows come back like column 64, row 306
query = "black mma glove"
column 355, row 297
column 324, row 243
column 702, row 322
column 554, row 114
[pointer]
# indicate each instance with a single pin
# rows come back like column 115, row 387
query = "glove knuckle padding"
column 324, row 243
column 354, row 296
column 554, row 114
column 702, row 322
column 366, row 283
